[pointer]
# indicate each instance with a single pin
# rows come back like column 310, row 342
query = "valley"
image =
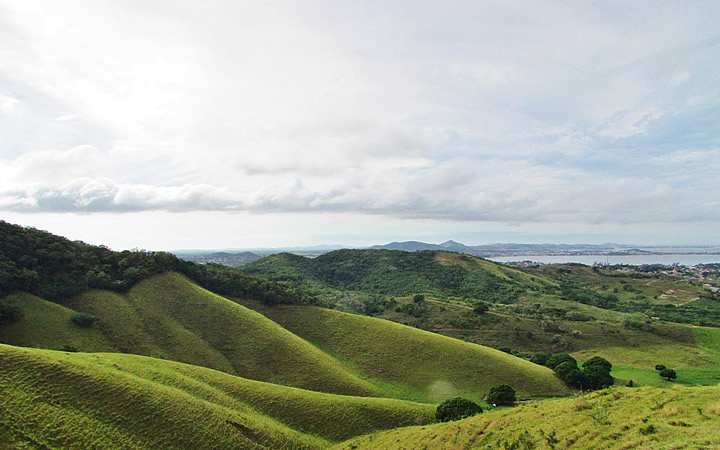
column 353, row 348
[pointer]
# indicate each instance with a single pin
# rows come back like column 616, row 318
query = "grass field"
column 47, row 325
column 170, row 317
column 413, row 364
column 86, row 400
column 652, row 418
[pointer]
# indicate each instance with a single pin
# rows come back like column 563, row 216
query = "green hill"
column 413, row 364
column 395, row 272
column 678, row 417
column 48, row 325
column 169, row 317
column 101, row 400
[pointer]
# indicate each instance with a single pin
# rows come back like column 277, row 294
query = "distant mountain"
column 232, row 259
column 509, row 249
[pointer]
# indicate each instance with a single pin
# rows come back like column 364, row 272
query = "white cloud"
column 496, row 112
column 7, row 103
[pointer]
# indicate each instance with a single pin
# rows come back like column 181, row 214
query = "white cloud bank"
column 490, row 113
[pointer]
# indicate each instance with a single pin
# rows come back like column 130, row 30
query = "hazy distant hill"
column 509, row 249
column 232, row 259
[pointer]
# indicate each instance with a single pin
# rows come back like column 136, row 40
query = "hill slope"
column 413, row 364
column 168, row 316
column 56, row 399
column 396, row 272
column 654, row 418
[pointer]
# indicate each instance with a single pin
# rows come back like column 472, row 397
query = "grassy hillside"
column 679, row 417
column 57, row 399
column 396, row 272
column 169, row 317
column 48, row 325
column 697, row 364
column 413, row 364
column 176, row 319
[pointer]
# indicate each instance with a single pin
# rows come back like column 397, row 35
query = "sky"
column 236, row 124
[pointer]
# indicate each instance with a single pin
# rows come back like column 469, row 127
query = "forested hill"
column 396, row 272
column 56, row 269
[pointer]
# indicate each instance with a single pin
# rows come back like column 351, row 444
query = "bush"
column 418, row 298
column 455, row 409
column 10, row 313
column 502, row 394
column 539, row 358
column 568, row 371
column 660, row 367
column 668, row 374
column 68, row 348
column 597, row 373
column 83, row 320
column 559, row 358
column 480, row 308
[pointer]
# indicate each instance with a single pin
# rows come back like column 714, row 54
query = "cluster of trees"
column 594, row 374
column 666, row 372
column 459, row 408
column 389, row 272
column 56, row 269
column 574, row 291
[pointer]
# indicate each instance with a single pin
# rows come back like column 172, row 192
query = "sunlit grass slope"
column 650, row 418
column 48, row 325
column 170, row 317
column 413, row 364
column 694, row 364
column 83, row 400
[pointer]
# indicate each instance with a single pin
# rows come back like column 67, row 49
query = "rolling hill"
column 169, row 317
column 413, row 364
column 678, row 417
column 103, row 400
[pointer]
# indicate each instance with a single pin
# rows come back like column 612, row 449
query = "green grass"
column 85, row 400
column 170, row 317
column 678, row 417
column 708, row 338
column 648, row 356
column 413, row 364
column 47, row 325
column 688, row 376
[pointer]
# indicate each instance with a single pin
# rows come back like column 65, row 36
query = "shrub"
column 540, row 358
column 668, row 374
column 480, row 308
column 10, row 313
column 502, row 394
column 559, row 358
column 418, row 298
column 568, row 371
column 660, row 367
column 68, row 348
column 597, row 373
column 83, row 320
column 455, row 409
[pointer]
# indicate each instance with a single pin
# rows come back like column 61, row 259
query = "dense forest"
column 56, row 269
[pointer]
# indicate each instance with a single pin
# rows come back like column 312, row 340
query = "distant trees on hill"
column 56, row 269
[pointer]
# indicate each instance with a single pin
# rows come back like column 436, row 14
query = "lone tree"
column 668, row 374
column 502, row 394
column 597, row 373
column 455, row 409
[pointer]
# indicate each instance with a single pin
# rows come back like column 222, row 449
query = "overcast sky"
column 228, row 124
